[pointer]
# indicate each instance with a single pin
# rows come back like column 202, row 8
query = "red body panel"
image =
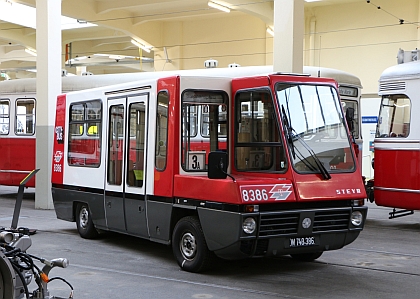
column 201, row 188
column 17, row 159
column 308, row 187
column 60, row 135
column 340, row 186
column 163, row 180
column 397, row 169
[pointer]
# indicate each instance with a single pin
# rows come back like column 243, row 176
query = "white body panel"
column 96, row 177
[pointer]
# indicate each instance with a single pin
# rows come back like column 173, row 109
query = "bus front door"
column 125, row 206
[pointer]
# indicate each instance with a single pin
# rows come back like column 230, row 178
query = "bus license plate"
column 303, row 242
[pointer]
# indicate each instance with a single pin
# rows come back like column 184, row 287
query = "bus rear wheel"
column 306, row 257
column 189, row 245
column 84, row 222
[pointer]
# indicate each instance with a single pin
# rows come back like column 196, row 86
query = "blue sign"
column 369, row 119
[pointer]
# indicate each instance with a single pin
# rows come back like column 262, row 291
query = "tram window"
column 25, row 117
column 4, row 116
column 394, row 116
column 196, row 148
column 257, row 142
column 161, row 130
column 84, row 134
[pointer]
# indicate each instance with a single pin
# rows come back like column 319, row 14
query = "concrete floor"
column 384, row 262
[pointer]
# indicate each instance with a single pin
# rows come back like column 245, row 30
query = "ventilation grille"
column 279, row 224
column 283, row 224
column 333, row 220
column 392, row 86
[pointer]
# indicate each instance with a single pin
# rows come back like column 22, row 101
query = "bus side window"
column 137, row 133
column 211, row 107
column 257, row 142
column 161, row 130
column 84, row 134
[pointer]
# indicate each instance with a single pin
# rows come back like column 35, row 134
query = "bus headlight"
column 249, row 225
column 356, row 218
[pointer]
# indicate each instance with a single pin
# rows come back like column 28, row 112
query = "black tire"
column 7, row 279
column 84, row 222
column 306, row 257
column 189, row 245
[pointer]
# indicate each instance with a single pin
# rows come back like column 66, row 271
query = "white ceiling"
column 118, row 22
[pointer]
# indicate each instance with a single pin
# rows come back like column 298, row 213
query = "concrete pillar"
column 289, row 22
column 312, row 36
column 48, row 86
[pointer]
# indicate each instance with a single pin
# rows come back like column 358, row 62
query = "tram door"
column 126, row 164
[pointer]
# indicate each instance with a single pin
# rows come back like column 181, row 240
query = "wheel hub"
column 188, row 246
column 83, row 217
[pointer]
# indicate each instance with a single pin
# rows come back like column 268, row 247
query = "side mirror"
column 217, row 165
column 350, row 118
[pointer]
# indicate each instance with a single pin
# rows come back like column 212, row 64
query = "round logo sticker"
column 306, row 223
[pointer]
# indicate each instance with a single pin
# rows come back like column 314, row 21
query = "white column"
column 289, row 24
column 48, row 86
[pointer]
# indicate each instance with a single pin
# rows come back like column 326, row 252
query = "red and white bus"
column 277, row 176
column 18, row 115
column 18, row 106
column 397, row 141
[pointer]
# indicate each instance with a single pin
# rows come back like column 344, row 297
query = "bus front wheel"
column 84, row 222
column 189, row 245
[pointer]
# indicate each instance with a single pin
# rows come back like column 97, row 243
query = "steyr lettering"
column 348, row 191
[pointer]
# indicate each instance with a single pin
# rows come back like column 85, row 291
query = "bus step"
column 400, row 213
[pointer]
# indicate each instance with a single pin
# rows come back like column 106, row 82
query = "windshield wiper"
column 290, row 135
column 288, row 131
column 324, row 172
column 293, row 149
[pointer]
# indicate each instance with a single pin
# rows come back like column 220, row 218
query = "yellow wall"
column 361, row 39
column 354, row 37
column 237, row 39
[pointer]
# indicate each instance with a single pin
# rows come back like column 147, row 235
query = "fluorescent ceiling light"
column 24, row 15
column 141, row 46
column 30, row 51
column 218, row 6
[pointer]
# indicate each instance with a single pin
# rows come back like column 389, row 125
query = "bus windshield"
column 394, row 116
column 313, row 123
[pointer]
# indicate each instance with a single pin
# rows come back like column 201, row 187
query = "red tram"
column 397, row 141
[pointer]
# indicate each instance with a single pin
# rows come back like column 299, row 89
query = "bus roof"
column 404, row 71
column 73, row 83
column 340, row 76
